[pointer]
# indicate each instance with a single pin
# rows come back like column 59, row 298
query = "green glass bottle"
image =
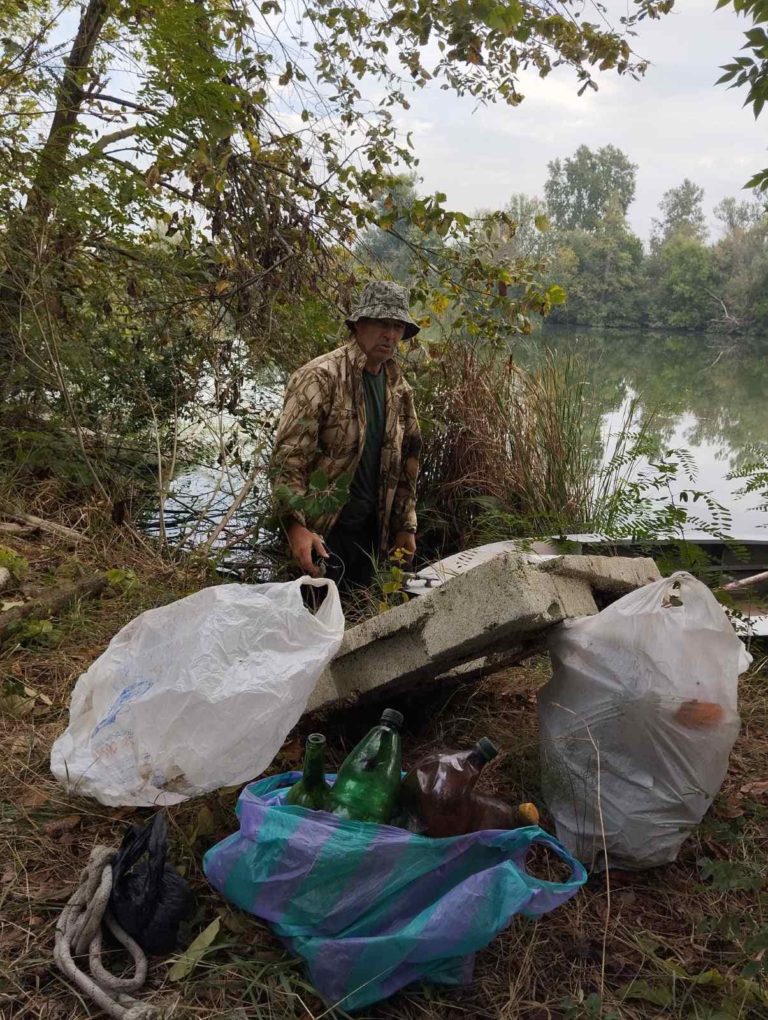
column 368, row 782
column 311, row 791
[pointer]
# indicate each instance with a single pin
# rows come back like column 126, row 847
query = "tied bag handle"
column 675, row 589
column 151, row 839
column 330, row 615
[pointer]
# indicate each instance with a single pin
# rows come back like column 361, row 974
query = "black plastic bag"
column 149, row 897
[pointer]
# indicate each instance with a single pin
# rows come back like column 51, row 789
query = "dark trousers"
column 353, row 543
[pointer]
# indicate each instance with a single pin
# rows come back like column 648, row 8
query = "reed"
column 510, row 451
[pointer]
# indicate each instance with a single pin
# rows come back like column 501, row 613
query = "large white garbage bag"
column 196, row 695
column 638, row 721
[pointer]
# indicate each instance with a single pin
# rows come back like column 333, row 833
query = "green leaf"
column 204, row 824
column 659, row 995
column 14, row 563
column 188, row 960
column 504, row 17
column 343, row 482
column 318, row 480
column 541, row 222
column 31, row 631
column 121, row 578
column 759, row 181
column 556, row 295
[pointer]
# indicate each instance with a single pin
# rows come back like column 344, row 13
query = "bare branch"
column 115, row 136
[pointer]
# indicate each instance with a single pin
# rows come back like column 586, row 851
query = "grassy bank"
column 682, row 941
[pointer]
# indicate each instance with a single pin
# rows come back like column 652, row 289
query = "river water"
column 703, row 397
column 710, row 398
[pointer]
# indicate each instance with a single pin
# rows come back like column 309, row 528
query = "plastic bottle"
column 436, row 796
column 492, row 813
column 368, row 782
column 311, row 791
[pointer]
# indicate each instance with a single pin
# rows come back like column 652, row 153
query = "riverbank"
column 675, row 940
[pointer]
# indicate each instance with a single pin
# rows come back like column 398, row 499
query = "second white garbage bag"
column 198, row 694
column 638, row 721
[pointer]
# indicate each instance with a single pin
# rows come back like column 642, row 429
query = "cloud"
column 674, row 123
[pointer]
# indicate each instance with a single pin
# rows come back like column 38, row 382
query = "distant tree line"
column 683, row 280
column 579, row 234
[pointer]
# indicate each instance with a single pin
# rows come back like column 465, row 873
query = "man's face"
column 379, row 338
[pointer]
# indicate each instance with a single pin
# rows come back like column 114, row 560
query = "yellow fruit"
column 528, row 813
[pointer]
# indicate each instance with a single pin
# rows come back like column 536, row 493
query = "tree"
column 751, row 72
column 396, row 241
column 157, row 227
column 602, row 274
column 682, row 214
column 581, row 188
column 522, row 231
column 741, row 257
column 735, row 215
column 683, row 277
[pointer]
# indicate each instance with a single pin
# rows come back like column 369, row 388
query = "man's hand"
column 405, row 540
column 303, row 543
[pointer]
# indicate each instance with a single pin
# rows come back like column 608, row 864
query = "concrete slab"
column 606, row 575
column 489, row 612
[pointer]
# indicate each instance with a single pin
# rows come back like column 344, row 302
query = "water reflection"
column 713, row 404
column 220, row 503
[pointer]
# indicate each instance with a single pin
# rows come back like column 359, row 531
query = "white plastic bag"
column 638, row 721
column 198, row 694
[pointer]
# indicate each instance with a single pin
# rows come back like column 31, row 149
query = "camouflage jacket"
column 322, row 428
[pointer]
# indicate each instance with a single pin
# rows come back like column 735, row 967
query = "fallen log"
column 50, row 604
column 59, row 530
column 9, row 528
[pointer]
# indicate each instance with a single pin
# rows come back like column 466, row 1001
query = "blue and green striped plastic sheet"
column 372, row 908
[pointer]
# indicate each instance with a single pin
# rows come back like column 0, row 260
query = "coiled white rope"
column 79, row 931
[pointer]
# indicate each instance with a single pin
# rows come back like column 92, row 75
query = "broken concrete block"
column 494, row 608
column 607, row 575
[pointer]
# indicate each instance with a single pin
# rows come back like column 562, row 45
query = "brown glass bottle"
column 436, row 798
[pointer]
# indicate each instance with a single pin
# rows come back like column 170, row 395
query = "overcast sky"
column 674, row 123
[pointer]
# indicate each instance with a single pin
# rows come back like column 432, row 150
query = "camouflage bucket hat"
column 383, row 299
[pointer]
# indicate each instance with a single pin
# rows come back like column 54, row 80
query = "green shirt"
column 364, row 490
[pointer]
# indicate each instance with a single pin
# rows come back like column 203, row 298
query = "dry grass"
column 500, row 440
column 654, row 930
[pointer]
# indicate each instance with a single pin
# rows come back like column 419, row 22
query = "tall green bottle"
column 369, row 780
column 311, row 791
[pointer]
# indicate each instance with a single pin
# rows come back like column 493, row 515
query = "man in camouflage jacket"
column 349, row 415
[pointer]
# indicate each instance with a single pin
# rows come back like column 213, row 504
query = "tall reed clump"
column 508, row 451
